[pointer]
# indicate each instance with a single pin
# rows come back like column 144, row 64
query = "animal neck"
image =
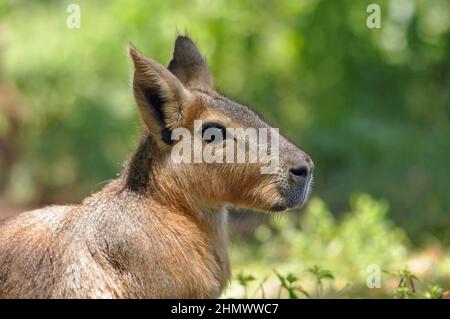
column 202, row 222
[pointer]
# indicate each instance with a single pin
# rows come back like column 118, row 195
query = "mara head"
column 208, row 149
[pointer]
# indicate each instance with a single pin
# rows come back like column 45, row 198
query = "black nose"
column 300, row 171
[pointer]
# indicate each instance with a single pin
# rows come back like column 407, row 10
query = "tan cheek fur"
column 240, row 184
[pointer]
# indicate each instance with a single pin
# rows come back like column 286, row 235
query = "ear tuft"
column 141, row 62
column 189, row 65
column 131, row 49
column 134, row 53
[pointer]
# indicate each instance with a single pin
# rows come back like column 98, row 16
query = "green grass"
column 290, row 286
column 283, row 257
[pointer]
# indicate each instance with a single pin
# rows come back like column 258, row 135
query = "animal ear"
column 162, row 99
column 189, row 65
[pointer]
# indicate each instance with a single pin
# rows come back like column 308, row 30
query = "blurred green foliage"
column 371, row 106
column 283, row 261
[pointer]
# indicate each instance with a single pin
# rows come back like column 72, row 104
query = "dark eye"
column 213, row 132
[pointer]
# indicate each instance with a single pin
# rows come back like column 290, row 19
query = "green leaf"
column 291, row 278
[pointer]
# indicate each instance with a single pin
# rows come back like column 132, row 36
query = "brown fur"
column 159, row 230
